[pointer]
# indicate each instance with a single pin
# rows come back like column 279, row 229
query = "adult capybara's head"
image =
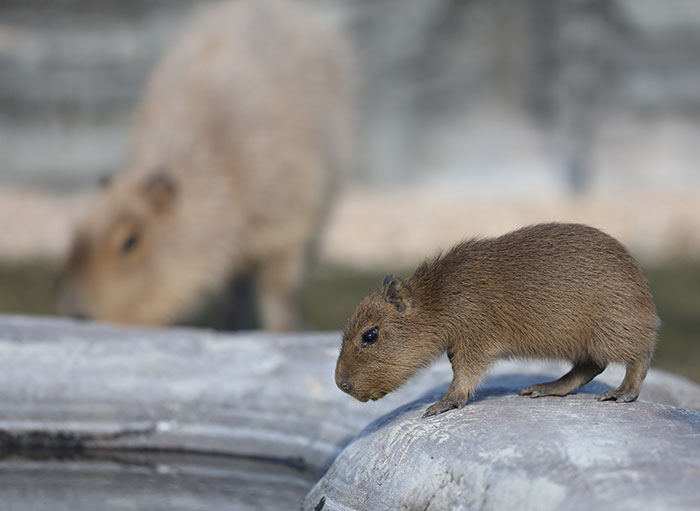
column 119, row 267
column 381, row 343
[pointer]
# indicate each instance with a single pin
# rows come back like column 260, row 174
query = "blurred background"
column 472, row 117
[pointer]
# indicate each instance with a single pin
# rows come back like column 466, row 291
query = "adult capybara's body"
column 235, row 147
column 562, row 291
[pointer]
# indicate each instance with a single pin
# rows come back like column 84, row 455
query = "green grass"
column 27, row 287
column 333, row 293
column 676, row 289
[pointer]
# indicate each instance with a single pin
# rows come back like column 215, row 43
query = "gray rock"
column 250, row 394
column 92, row 386
column 504, row 451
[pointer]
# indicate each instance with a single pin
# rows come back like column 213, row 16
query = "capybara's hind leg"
column 580, row 374
column 631, row 384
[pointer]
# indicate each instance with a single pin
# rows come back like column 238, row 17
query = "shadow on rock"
column 503, row 384
column 493, row 386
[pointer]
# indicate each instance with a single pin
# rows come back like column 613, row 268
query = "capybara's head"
column 381, row 344
column 119, row 267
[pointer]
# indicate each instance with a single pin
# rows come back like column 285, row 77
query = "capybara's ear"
column 397, row 292
column 160, row 190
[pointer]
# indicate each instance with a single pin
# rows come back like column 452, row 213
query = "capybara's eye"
column 130, row 243
column 370, row 336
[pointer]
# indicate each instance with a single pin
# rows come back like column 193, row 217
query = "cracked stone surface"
column 509, row 452
column 90, row 386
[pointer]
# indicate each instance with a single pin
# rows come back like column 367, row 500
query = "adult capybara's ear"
column 397, row 292
column 160, row 190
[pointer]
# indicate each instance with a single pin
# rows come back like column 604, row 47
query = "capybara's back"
column 235, row 149
column 568, row 290
column 563, row 291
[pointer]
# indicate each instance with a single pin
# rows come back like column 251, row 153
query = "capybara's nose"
column 67, row 302
column 345, row 386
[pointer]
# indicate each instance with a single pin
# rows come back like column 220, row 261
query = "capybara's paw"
column 444, row 405
column 621, row 396
column 544, row 389
column 534, row 390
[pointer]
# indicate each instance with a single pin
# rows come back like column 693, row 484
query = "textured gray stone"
column 251, row 394
column 503, row 451
column 93, row 386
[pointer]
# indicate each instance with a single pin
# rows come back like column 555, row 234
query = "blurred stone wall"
column 540, row 96
column 71, row 72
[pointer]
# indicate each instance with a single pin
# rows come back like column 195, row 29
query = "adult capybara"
column 563, row 291
column 235, row 147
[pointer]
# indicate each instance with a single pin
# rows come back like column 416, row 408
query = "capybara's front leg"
column 468, row 371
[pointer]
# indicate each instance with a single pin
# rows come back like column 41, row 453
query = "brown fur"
column 562, row 291
column 235, row 147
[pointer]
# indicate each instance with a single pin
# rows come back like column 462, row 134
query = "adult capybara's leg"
column 279, row 291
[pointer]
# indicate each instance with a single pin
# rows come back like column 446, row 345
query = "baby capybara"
column 562, row 291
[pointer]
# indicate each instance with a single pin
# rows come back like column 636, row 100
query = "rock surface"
column 503, row 451
column 273, row 397
column 251, row 394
